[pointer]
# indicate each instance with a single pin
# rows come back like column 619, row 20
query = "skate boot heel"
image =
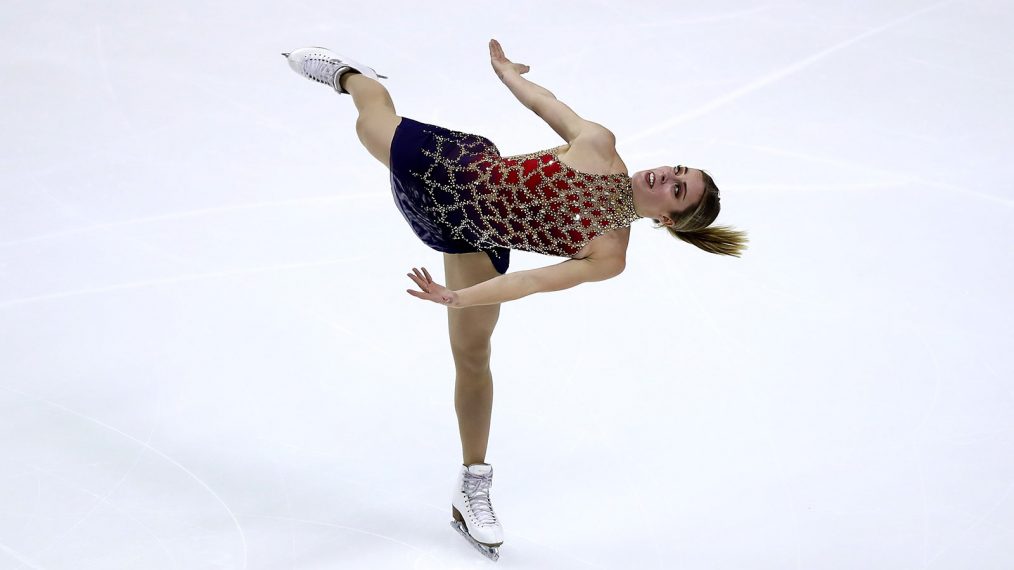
column 325, row 66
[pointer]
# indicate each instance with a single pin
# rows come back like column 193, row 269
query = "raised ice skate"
column 325, row 66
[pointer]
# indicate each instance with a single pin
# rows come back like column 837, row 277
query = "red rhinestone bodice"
column 531, row 202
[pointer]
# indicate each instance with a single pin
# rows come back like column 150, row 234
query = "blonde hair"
column 693, row 227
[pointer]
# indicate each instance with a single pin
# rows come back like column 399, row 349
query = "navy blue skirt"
column 409, row 162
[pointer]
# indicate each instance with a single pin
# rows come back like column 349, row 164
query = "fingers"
column 423, row 280
column 438, row 294
column 424, row 276
column 495, row 48
column 418, row 280
column 420, row 276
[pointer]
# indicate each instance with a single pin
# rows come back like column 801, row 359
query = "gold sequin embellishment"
column 530, row 202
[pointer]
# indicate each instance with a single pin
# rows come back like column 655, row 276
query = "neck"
column 637, row 206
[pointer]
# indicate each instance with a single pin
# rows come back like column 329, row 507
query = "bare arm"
column 540, row 100
column 526, row 91
column 512, row 286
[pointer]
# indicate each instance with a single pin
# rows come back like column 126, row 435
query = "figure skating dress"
column 460, row 195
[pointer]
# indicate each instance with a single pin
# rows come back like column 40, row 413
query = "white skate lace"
column 322, row 70
column 477, row 489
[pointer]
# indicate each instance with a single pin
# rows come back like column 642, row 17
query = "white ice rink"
column 208, row 359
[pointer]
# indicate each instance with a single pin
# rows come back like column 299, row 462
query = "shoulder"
column 598, row 136
column 599, row 144
column 594, row 149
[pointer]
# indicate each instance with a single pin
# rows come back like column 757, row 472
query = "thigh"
column 375, row 127
column 470, row 328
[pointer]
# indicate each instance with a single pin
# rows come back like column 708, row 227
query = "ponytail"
column 721, row 240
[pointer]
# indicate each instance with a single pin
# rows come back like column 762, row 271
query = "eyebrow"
column 684, row 184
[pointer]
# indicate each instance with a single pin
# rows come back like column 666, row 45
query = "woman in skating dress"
column 462, row 198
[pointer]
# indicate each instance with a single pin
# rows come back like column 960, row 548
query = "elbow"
column 613, row 269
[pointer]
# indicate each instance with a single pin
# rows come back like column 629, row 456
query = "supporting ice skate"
column 325, row 66
column 472, row 510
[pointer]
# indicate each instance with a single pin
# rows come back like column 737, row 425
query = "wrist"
column 508, row 74
column 456, row 301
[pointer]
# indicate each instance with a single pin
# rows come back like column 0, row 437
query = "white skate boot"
column 325, row 66
column 473, row 512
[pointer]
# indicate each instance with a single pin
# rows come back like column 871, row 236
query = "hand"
column 500, row 62
column 431, row 290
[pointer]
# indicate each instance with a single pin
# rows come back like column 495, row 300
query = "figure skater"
column 462, row 198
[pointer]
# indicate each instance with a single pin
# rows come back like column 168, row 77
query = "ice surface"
column 208, row 358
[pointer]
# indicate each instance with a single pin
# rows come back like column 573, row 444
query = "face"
column 675, row 189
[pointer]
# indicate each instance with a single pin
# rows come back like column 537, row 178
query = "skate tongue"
column 480, row 468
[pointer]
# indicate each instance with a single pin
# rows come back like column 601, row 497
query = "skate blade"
column 491, row 552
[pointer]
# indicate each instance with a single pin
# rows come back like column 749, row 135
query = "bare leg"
column 377, row 117
column 470, row 330
column 366, row 91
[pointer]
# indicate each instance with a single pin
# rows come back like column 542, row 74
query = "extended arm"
column 527, row 92
column 540, row 100
column 512, row 286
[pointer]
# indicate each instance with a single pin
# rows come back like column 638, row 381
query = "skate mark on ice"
column 176, row 279
column 342, row 527
column 19, row 557
column 149, row 447
column 977, row 522
column 191, row 214
column 902, row 178
column 774, row 76
column 103, row 498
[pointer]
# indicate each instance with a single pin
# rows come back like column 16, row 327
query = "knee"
column 471, row 356
column 363, row 132
column 376, row 131
column 364, row 124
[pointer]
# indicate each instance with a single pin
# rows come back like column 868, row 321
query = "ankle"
column 345, row 77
